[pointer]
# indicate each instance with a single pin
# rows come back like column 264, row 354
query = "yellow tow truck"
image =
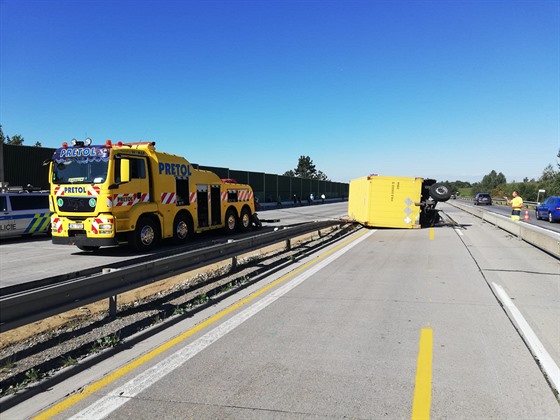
column 112, row 193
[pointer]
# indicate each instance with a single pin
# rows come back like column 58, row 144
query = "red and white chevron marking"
column 244, row 195
column 57, row 223
column 96, row 222
column 123, row 200
column 93, row 190
column 168, row 198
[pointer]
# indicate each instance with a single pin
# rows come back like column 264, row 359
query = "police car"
column 24, row 213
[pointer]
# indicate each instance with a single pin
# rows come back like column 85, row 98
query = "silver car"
column 482, row 198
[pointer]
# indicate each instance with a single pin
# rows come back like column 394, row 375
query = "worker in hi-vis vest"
column 516, row 204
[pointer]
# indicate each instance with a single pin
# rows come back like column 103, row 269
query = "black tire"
column 145, row 236
column 231, row 221
column 550, row 220
column 245, row 220
column 87, row 248
column 440, row 192
column 537, row 215
column 182, row 228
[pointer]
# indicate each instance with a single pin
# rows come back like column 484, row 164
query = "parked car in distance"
column 482, row 198
column 549, row 210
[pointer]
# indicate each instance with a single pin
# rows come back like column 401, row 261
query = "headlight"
column 107, row 226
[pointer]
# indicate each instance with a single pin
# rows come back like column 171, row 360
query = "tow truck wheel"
column 245, row 220
column 87, row 248
column 231, row 221
column 144, row 236
column 182, row 229
column 440, row 192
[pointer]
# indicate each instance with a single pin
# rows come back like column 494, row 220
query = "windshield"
column 80, row 165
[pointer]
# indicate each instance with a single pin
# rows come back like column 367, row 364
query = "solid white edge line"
column 115, row 399
column 547, row 363
column 459, row 231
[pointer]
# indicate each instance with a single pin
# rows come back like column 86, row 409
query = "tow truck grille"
column 77, row 204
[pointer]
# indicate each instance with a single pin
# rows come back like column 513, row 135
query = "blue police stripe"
column 23, row 216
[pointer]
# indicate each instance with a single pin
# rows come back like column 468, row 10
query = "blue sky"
column 442, row 89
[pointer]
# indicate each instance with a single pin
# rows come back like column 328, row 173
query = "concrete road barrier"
column 546, row 240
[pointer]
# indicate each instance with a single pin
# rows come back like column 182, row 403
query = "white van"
column 24, row 213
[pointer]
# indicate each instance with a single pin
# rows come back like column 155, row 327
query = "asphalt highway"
column 506, row 211
column 443, row 322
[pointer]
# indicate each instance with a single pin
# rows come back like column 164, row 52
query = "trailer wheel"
column 231, row 221
column 245, row 220
column 87, row 248
column 440, row 192
column 182, row 228
column 144, row 236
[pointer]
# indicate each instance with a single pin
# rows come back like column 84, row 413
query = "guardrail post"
column 113, row 307
column 112, row 299
column 288, row 244
column 234, row 258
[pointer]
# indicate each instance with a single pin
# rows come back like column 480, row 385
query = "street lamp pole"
column 538, row 194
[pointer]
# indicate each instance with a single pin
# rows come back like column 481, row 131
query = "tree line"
column 494, row 183
column 497, row 185
column 16, row 139
column 307, row 170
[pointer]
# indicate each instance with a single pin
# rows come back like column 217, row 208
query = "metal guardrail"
column 26, row 306
column 502, row 202
column 548, row 241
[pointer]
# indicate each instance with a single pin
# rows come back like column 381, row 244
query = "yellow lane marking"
column 96, row 386
column 431, row 234
column 423, row 387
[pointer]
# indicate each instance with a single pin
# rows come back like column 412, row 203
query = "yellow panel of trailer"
column 385, row 201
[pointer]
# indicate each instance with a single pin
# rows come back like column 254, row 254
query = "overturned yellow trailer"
column 395, row 202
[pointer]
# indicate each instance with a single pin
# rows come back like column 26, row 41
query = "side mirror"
column 125, row 170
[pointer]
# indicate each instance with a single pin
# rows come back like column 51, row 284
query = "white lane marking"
column 547, row 363
column 115, row 399
column 459, row 232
